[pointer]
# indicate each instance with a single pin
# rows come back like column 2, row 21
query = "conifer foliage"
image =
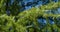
column 29, row 16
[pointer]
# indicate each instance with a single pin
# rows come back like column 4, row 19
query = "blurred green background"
column 29, row 15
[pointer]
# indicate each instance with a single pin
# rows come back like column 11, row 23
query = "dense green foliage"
column 27, row 21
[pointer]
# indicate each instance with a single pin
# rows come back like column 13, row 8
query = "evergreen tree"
column 44, row 18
